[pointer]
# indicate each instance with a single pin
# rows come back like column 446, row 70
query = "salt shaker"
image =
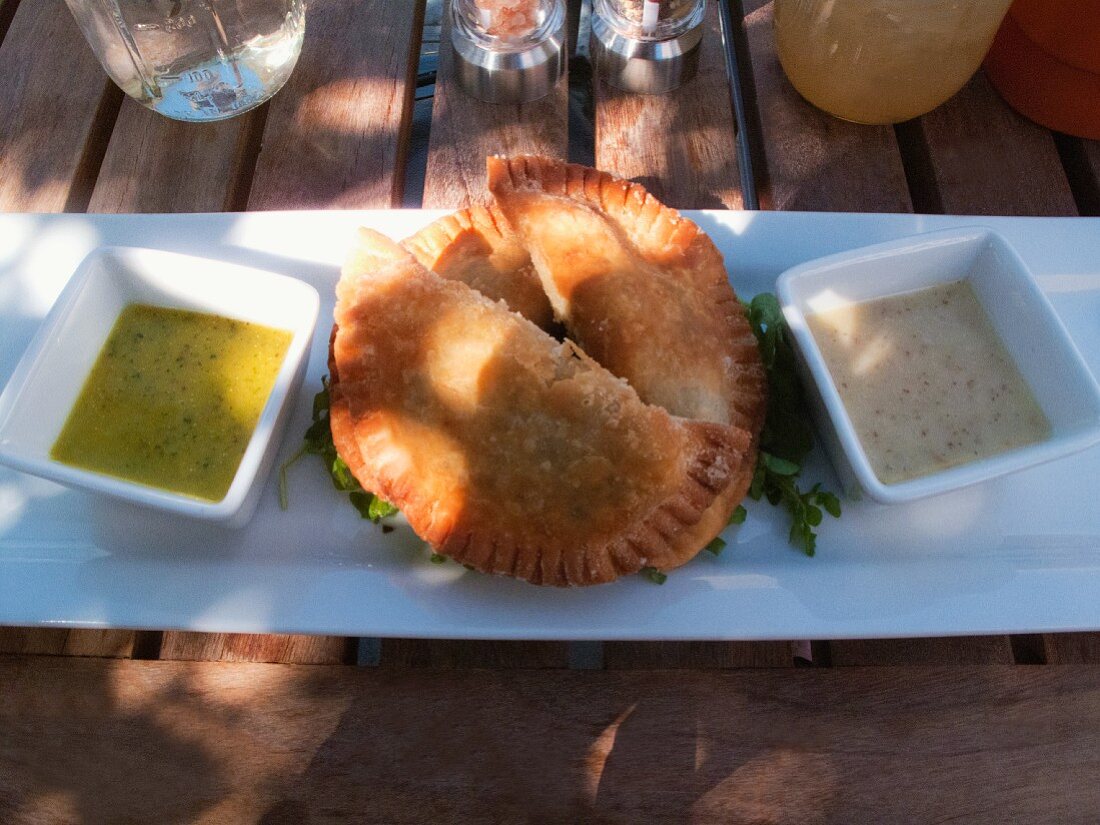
column 648, row 46
column 508, row 51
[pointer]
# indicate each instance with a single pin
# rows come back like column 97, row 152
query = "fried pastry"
column 479, row 248
column 505, row 449
column 645, row 293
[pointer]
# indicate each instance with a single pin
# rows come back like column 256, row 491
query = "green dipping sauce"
column 173, row 399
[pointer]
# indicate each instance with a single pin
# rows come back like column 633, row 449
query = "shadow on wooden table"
column 92, row 741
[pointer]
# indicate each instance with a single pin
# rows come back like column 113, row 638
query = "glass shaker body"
column 197, row 60
column 508, row 51
column 883, row 61
column 647, row 46
column 507, row 25
column 651, row 19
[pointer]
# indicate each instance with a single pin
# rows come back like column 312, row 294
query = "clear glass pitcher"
column 883, row 61
column 196, row 60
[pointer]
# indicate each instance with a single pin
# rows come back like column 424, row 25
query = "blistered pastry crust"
column 505, row 449
column 645, row 293
column 478, row 247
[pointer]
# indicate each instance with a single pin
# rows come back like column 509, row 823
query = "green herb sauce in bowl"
column 173, row 399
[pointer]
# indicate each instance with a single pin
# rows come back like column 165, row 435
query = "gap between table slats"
column 1081, row 160
column 7, row 12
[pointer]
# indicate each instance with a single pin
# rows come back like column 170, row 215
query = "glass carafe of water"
column 196, row 60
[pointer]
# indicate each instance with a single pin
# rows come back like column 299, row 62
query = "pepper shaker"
column 508, row 51
column 647, row 46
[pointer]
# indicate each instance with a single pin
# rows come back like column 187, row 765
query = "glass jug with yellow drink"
column 883, row 61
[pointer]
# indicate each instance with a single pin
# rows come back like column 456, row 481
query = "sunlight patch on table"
column 766, row 786
column 599, row 751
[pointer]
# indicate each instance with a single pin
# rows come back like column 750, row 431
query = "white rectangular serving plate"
column 1017, row 554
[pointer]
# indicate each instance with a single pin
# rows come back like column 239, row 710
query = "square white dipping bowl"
column 51, row 374
column 1020, row 314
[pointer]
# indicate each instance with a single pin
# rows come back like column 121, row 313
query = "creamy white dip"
column 926, row 381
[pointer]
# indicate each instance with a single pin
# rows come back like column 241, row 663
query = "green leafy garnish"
column 739, row 515
column 716, row 546
column 380, row 509
column 788, row 435
column 318, row 441
column 436, row 558
column 654, row 575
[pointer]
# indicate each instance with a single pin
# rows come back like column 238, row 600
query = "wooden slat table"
column 123, row 726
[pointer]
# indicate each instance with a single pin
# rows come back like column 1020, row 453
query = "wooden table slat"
column 337, row 135
column 54, row 641
column 989, row 160
column 465, row 131
column 97, row 740
column 681, row 145
column 154, row 164
column 52, row 95
column 697, row 655
column 245, row 647
column 1072, row 648
column 955, row 650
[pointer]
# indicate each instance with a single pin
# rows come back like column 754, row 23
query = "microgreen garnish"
column 654, row 575
column 788, row 435
column 318, row 441
column 717, row 545
column 436, row 558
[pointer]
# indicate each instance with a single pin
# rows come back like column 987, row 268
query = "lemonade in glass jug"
column 883, row 61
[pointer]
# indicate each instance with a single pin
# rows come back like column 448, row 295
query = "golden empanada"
column 645, row 293
column 479, row 248
column 505, row 449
